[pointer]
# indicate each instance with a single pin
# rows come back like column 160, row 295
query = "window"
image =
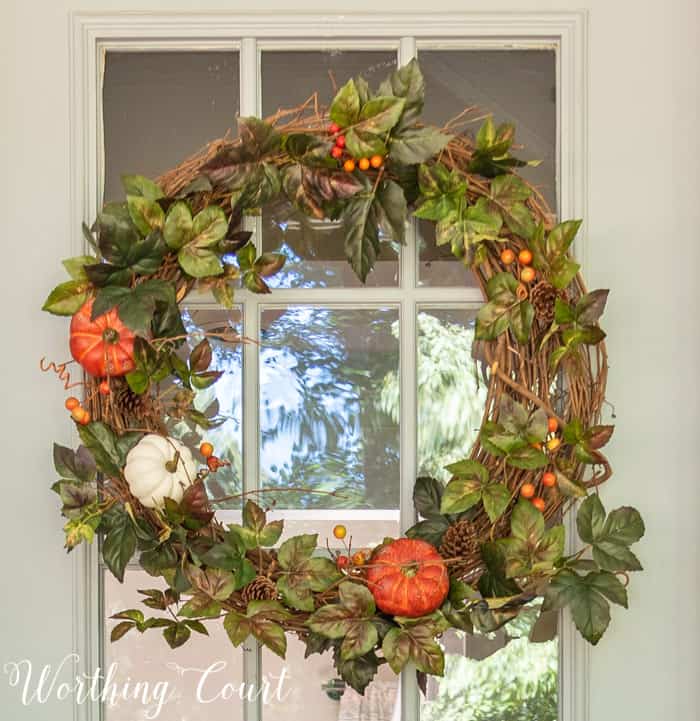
column 354, row 390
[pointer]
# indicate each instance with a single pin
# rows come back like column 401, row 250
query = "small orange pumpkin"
column 104, row 346
column 408, row 577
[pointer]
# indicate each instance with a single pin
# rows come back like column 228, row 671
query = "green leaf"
column 66, row 298
column 380, row 114
column 586, row 596
column 357, row 672
column 427, row 495
column 494, row 583
column 146, row 214
column 363, row 144
column 119, row 544
column 590, row 519
column 199, row 262
column 465, row 489
column 75, row 267
column 101, row 441
column 139, row 185
column 504, row 310
column 345, row 108
column 391, row 211
column 527, row 523
column 495, row 498
column 209, row 227
column 74, row 465
column 177, row 228
column 177, row 634
column 417, row 145
column 361, row 238
column 261, row 620
column 414, row 643
column 406, row 82
column 431, row 530
column 350, row 620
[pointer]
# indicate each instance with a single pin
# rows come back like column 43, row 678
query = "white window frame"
column 94, row 34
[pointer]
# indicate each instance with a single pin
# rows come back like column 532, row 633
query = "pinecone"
column 461, row 539
column 543, row 296
column 261, row 588
column 130, row 403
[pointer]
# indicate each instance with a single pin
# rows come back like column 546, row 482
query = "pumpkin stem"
column 110, row 335
column 171, row 466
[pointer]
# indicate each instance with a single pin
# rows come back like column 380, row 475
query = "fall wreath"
column 491, row 540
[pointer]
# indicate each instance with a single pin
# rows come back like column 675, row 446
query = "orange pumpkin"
column 408, row 577
column 104, row 346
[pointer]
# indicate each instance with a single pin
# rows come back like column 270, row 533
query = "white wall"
column 642, row 228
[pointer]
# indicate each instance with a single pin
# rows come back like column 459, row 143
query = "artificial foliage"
column 490, row 540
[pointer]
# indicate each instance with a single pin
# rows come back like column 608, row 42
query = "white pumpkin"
column 159, row 467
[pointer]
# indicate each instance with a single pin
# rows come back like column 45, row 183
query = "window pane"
column 160, row 107
column 517, row 86
column 329, row 414
column 499, row 677
column 451, row 395
column 222, row 401
column 311, row 689
column 148, row 660
column 315, row 249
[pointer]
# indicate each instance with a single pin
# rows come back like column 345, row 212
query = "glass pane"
column 329, row 416
column 451, row 395
column 176, row 679
column 518, row 86
column 222, row 401
column 499, row 677
column 315, row 249
column 160, row 107
column 311, row 689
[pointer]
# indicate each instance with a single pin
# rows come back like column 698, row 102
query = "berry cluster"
column 548, row 479
column 213, row 463
column 348, row 562
column 527, row 272
column 339, row 152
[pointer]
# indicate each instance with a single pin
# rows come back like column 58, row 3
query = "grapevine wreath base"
column 490, row 541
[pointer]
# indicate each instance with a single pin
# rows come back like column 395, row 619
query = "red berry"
column 539, row 504
column 340, row 141
column 549, row 480
column 104, row 388
column 213, row 463
column 527, row 490
column 333, row 128
column 337, row 152
column 342, row 561
column 552, row 425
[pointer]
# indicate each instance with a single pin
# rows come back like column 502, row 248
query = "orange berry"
column 363, row 163
column 376, row 161
column 552, row 425
column 206, row 449
column 525, row 257
column 104, row 388
column 549, row 479
column 527, row 490
column 71, row 403
column 85, row 419
column 527, row 275
column 553, row 444
column 340, row 531
column 507, row 256
column 539, row 504
column 337, row 152
column 78, row 414
column 359, row 559
column 349, row 165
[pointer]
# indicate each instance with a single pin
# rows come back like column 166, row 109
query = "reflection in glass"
column 222, row 401
column 315, row 249
column 321, row 371
column 160, row 107
column 517, row 86
column 501, row 676
column 312, row 690
column 147, row 659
